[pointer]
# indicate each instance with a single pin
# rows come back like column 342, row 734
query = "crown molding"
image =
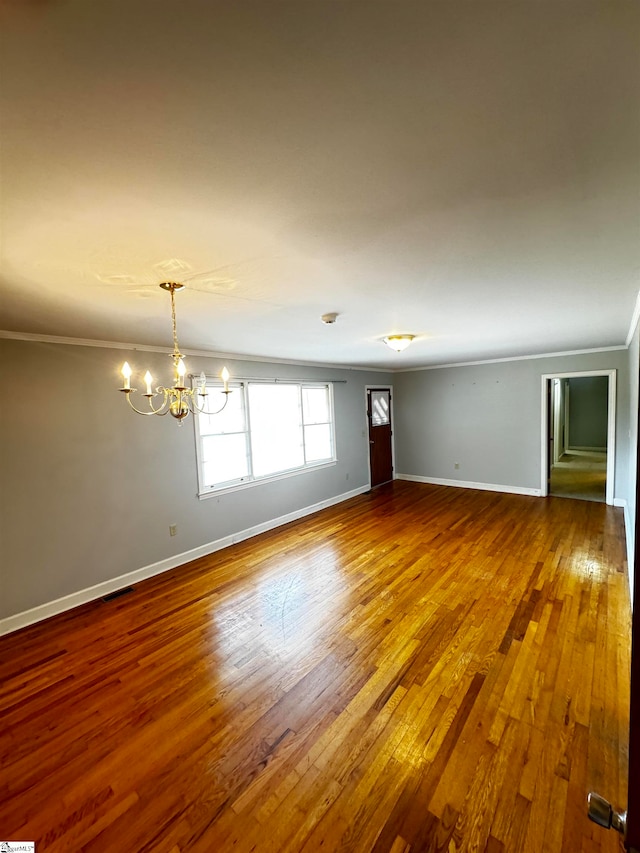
column 635, row 317
column 531, row 357
column 88, row 342
column 196, row 353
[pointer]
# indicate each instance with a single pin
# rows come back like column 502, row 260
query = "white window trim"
column 258, row 481
column 205, row 492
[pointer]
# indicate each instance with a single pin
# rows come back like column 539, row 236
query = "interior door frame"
column 611, row 427
column 555, row 395
column 380, row 387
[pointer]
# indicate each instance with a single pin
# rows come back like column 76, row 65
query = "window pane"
column 276, row 430
column 224, row 458
column 379, row 408
column 317, row 442
column 230, row 419
column 315, row 405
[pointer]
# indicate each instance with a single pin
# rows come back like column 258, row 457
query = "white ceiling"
column 466, row 172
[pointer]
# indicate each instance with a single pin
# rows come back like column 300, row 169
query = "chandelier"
column 177, row 400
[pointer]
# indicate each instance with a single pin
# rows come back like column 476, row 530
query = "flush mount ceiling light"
column 398, row 342
column 177, row 400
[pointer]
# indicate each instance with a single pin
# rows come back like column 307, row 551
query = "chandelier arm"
column 203, row 411
column 153, row 411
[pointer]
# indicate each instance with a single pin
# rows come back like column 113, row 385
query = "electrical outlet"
column 173, row 529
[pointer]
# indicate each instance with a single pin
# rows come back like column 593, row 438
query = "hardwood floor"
column 420, row 668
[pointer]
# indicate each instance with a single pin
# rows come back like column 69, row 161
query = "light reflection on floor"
column 284, row 615
column 585, row 565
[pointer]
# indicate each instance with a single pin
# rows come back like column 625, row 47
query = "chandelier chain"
column 176, row 351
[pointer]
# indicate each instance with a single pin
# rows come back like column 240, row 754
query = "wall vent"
column 117, row 593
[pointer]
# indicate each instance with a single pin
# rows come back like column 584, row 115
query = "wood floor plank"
column 420, row 668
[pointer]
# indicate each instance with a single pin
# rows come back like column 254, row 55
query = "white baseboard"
column 83, row 596
column 463, row 484
column 628, row 529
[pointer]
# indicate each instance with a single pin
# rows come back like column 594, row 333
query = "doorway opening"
column 578, row 429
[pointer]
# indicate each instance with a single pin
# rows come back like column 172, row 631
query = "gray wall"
column 588, row 412
column 89, row 488
column 487, row 418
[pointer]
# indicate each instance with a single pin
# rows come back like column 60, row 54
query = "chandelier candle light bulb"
column 126, row 372
column 178, row 400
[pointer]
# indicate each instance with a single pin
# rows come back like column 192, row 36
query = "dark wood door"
column 379, row 417
column 633, row 806
column 604, row 812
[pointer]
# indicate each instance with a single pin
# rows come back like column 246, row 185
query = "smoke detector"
column 330, row 318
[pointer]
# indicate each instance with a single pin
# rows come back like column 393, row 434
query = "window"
column 380, row 408
column 266, row 430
